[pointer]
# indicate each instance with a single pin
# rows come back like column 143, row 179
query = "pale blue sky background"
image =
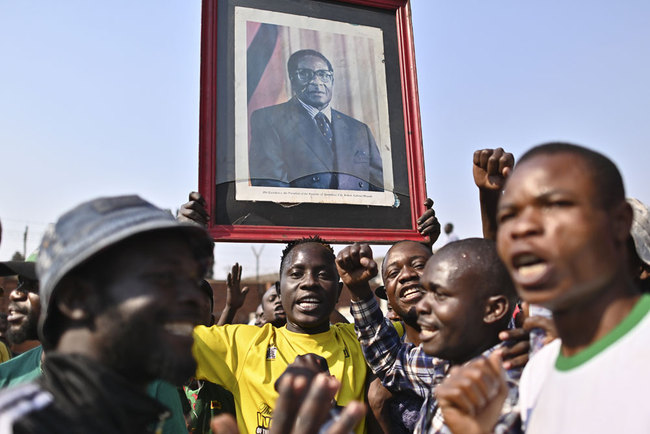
column 101, row 98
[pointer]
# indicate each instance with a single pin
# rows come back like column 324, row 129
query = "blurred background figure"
column 449, row 232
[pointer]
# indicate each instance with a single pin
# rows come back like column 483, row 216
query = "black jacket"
column 78, row 395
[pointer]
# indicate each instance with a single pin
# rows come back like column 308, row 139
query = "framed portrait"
column 309, row 120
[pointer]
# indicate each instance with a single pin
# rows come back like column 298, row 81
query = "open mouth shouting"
column 308, row 304
column 179, row 328
column 530, row 269
column 427, row 330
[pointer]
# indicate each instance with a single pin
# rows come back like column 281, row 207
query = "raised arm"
column 428, row 224
column 400, row 366
column 491, row 168
column 235, row 295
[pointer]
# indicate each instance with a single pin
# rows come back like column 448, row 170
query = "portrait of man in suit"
column 305, row 143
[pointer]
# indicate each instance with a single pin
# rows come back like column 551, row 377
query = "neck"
column 308, row 331
column 585, row 323
column 412, row 334
column 487, row 343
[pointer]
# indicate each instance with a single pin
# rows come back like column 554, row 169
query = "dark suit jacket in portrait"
column 287, row 149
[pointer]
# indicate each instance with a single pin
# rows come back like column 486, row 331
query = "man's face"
column 24, row 311
column 402, row 270
column 259, row 313
column 152, row 303
column 312, row 82
column 272, row 308
column 309, row 288
column 451, row 312
column 556, row 241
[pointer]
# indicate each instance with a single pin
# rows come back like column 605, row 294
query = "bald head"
column 477, row 259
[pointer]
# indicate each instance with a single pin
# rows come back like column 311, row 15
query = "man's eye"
column 439, row 296
column 325, row 275
column 503, row 217
column 418, row 265
column 560, row 203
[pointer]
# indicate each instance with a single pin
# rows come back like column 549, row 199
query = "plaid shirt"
column 404, row 366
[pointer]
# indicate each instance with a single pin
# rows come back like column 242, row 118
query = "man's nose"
column 408, row 273
column 17, row 294
column 309, row 279
column 423, row 307
column 527, row 223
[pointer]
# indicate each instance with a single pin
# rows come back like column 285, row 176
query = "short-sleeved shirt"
column 247, row 360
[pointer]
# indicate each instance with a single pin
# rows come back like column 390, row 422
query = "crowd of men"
column 123, row 338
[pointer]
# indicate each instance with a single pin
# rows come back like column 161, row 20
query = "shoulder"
column 21, row 365
column 337, row 116
column 235, row 333
column 275, row 110
column 19, row 401
column 343, row 328
column 538, row 368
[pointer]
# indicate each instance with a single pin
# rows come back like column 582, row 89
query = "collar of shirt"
column 313, row 111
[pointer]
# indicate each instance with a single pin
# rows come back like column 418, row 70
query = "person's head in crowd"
column 207, row 304
column 309, row 285
column 272, row 311
column 639, row 244
column 449, row 228
column 312, row 77
column 390, row 313
column 564, row 227
column 469, row 299
column 121, row 286
column 24, row 306
column 259, row 312
column 401, row 271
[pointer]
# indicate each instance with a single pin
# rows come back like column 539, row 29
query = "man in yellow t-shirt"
column 247, row 360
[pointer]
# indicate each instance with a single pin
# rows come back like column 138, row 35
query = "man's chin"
column 411, row 319
column 18, row 335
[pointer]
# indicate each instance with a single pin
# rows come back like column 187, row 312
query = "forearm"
column 489, row 200
column 227, row 316
column 384, row 351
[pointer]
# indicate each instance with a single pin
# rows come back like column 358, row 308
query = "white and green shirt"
column 603, row 389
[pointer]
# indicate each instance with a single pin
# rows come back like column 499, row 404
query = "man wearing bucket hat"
column 119, row 297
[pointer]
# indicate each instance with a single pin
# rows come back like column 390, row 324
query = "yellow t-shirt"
column 247, row 360
column 5, row 354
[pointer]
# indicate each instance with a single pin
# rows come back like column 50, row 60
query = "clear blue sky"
column 101, row 98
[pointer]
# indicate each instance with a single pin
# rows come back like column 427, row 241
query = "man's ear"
column 496, row 307
column 622, row 216
column 76, row 299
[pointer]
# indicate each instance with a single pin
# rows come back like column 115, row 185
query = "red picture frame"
column 215, row 110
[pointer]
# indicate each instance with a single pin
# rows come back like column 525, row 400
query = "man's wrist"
column 360, row 291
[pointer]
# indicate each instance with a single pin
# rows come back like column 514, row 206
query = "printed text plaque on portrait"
column 309, row 120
